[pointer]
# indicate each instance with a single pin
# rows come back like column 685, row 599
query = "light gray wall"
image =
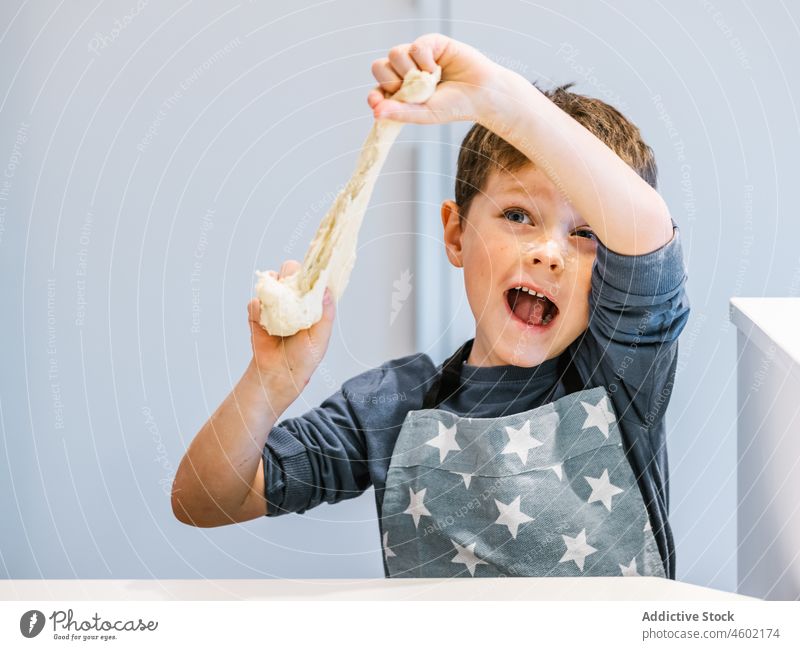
column 236, row 173
column 98, row 401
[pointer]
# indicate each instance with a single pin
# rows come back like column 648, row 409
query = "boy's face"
column 522, row 231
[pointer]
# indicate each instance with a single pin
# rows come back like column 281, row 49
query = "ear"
column 452, row 232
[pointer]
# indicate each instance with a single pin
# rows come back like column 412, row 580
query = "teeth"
column 531, row 291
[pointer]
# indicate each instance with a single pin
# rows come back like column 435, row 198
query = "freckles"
column 586, row 264
column 492, row 258
column 571, row 257
column 505, row 252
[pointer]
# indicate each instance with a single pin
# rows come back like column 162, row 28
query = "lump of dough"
column 294, row 303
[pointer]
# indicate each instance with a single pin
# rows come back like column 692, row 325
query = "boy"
column 538, row 448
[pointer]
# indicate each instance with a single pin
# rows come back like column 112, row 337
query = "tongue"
column 527, row 307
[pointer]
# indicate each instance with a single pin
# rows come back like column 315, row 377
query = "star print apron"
column 545, row 492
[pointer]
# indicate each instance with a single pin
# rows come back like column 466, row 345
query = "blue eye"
column 589, row 234
column 515, row 211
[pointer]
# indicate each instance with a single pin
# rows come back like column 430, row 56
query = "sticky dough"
column 294, row 303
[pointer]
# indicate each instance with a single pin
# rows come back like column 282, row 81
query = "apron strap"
column 568, row 374
column 448, row 382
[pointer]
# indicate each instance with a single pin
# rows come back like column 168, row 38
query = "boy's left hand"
column 468, row 80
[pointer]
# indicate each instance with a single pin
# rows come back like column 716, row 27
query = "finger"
column 401, row 60
column 443, row 49
column 289, row 267
column 320, row 332
column 402, row 112
column 386, row 75
column 422, row 54
column 376, row 95
column 254, row 310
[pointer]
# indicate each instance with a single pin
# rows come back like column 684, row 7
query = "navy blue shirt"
column 638, row 307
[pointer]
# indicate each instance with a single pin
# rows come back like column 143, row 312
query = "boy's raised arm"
column 218, row 471
column 628, row 215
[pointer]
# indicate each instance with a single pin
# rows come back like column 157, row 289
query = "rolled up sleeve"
column 318, row 456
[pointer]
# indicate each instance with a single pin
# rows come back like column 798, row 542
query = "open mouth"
column 530, row 306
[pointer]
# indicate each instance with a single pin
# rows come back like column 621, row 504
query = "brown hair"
column 483, row 151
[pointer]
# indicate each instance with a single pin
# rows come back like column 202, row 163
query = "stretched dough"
column 294, row 303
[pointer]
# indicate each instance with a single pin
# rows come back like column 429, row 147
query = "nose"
column 547, row 251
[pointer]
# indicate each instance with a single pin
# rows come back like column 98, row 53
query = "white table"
column 550, row 589
column 768, row 472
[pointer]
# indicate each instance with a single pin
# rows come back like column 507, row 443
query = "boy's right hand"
column 286, row 363
column 471, row 83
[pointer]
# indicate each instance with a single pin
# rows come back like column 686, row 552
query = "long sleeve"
column 338, row 449
column 318, row 456
column 638, row 306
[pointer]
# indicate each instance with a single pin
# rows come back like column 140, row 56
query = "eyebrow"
column 516, row 189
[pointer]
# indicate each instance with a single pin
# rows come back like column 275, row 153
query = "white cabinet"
column 768, row 454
